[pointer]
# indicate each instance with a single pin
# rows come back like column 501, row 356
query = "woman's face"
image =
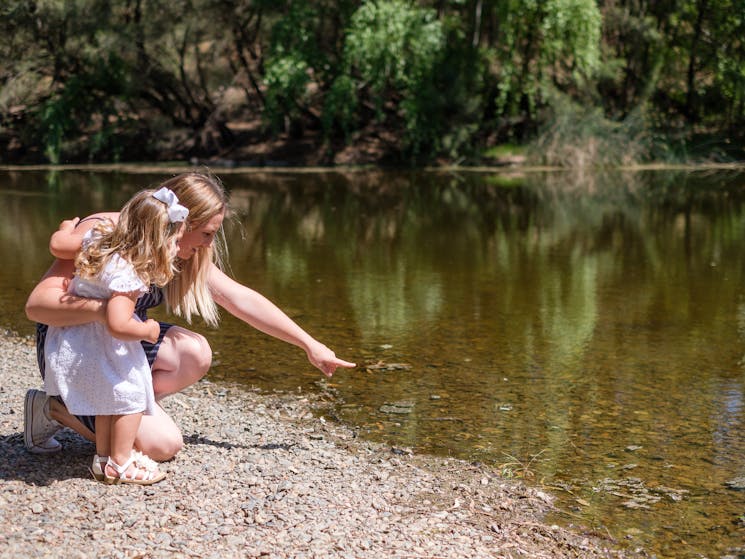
column 199, row 237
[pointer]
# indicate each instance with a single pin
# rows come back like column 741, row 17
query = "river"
column 585, row 333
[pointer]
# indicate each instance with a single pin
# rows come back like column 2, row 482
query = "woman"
column 180, row 357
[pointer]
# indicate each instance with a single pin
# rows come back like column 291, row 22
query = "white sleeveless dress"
column 93, row 372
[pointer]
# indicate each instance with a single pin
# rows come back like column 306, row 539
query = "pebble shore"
column 263, row 475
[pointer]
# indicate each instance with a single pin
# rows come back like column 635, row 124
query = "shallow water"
column 584, row 333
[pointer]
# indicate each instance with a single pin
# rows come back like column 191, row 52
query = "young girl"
column 101, row 368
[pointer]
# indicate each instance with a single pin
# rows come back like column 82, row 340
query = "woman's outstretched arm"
column 258, row 311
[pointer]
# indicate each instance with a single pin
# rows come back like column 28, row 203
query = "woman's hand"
column 325, row 359
column 50, row 303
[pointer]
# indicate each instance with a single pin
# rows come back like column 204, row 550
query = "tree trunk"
column 690, row 110
column 476, row 34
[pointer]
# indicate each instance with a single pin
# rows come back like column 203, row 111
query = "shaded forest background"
column 400, row 82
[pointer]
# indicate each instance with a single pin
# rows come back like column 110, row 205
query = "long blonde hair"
column 188, row 293
column 142, row 236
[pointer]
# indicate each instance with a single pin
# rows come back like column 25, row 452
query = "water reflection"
column 586, row 332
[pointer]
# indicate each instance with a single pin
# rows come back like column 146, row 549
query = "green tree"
column 391, row 55
column 98, row 80
column 543, row 44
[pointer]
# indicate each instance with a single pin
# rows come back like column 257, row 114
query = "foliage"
column 580, row 137
column 286, row 80
column 340, row 105
column 544, row 43
column 292, row 53
column 84, row 100
column 97, row 80
column 392, row 51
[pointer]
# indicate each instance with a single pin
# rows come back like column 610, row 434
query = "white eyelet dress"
column 93, row 372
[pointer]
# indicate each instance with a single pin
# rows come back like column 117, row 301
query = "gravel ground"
column 262, row 475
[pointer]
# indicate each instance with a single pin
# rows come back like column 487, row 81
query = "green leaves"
column 84, row 102
column 286, row 79
column 393, row 43
column 391, row 54
column 81, row 76
column 544, row 43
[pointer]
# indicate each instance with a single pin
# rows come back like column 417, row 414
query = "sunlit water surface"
column 585, row 334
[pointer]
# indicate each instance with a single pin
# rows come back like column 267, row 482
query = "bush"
column 581, row 137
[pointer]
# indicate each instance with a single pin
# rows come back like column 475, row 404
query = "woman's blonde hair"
column 188, row 293
column 142, row 236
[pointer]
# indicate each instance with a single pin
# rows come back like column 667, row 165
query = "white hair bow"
column 176, row 212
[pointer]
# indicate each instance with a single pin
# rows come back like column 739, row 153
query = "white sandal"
column 96, row 469
column 149, row 474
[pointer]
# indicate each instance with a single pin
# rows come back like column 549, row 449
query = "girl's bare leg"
column 123, row 432
column 103, row 435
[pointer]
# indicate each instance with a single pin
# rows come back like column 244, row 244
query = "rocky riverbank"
column 263, row 476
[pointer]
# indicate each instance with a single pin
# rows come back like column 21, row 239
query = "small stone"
column 737, row 483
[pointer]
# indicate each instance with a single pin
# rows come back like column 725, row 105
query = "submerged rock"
column 737, row 483
column 402, row 407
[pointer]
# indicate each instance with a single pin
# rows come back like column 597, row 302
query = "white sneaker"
column 50, row 446
column 38, row 427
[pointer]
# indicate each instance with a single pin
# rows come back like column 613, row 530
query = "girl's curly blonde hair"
column 142, row 236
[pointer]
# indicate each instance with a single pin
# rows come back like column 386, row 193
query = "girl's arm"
column 258, row 311
column 123, row 325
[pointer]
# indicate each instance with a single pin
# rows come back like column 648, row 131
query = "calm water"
column 586, row 334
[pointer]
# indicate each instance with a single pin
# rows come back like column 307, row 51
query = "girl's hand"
column 68, row 225
column 326, row 360
column 153, row 330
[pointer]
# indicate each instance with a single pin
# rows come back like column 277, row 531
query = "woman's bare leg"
column 158, row 436
column 183, row 358
column 59, row 413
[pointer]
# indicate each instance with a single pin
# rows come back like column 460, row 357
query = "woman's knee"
column 159, row 437
column 165, row 448
column 197, row 349
column 189, row 351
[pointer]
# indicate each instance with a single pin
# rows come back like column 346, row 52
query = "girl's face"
column 199, row 237
column 175, row 241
